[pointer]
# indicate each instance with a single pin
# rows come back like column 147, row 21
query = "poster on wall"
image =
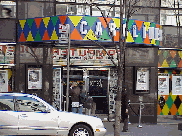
column 142, row 79
column 163, row 84
column 176, row 84
column 3, row 80
column 34, row 78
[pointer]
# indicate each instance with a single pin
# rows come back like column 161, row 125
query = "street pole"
column 68, row 69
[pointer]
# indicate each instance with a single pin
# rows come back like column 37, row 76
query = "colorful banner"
column 85, row 28
column 34, row 78
column 163, row 84
column 84, row 57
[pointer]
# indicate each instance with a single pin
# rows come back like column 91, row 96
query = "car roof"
column 14, row 94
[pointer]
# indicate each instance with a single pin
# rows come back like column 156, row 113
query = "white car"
column 25, row 114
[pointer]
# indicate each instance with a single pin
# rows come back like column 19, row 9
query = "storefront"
column 90, row 65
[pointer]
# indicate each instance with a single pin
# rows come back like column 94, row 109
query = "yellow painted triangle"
column 22, row 23
column 147, row 24
column 181, row 72
column 75, row 19
column 165, row 71
column 180, row 54
column 164, row 64
column 129, row 38
column 160, row 27
column 30, row 37
column 173, row 96
column 90, row 35
column 54, row 35
column 165, row 109
column 159, row 97
column 152, row 42
column 46, row 21
column 117, row 22
column 159, row 52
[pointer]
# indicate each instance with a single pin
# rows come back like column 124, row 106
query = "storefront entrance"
column 92, row 80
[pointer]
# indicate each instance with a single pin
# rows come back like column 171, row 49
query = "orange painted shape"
column 46, row 36
column 139, row 24
column 22, row 37
column 180, row 96
column 165, row 97
column 38, row 21
column 116, row 38
column 103, row 21
column 180, row 64
column 159, row 64
column 9, row 89
column 146, row 41
column 75, row 35
column 158, row 109
column 62, row 19
column 173, row 53
column 157, row 25
column 173, row 109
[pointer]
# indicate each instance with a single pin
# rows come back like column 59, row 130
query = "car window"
column 28, row 104
column 6, row 103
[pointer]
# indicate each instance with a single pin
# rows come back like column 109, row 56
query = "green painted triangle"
column 90, row 20
column 165, row 54
column 130, row 24
column 173, row 64
column 177, row 113
column 54, row 20
column 30, row 21
column 139, row 39
column 157, row 42
column 152, row 24
column 38, row 37
column 161, row 113
column 104, row 36
column 169, row 102
column 170, row 72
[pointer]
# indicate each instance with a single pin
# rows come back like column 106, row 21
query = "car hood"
column 73, row 118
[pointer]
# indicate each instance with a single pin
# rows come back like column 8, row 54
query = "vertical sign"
column 163, row 84
column 142, row 79
column 176, row 84
column 34, row 78
column 64, row 33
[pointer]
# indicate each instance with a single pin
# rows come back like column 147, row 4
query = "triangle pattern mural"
column 47, row 29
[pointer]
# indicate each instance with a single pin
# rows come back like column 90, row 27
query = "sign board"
column 63, row 33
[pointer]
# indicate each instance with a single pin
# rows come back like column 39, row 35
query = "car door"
column 8, row 117
column 33, row 120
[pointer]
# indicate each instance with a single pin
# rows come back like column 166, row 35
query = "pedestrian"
column 75, row 98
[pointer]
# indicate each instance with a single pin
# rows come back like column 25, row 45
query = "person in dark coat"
column 75, row 98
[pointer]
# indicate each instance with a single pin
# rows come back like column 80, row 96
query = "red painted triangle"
column 62, row 19
column 157, row 25
column 159, row 64
column 116, row 38
column 103, row 21
column 37, row 21
column 75, row 35
column 180, row 64
column 46, row 36
column 22, row 37
column 146, row 41
column 139, row 24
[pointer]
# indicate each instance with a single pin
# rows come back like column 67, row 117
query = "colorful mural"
column 84, row 28
column 170, row 59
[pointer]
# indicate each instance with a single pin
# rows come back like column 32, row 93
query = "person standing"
column 75, row 98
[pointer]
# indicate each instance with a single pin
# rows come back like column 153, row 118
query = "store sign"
column 84, row 56
column 84, row 28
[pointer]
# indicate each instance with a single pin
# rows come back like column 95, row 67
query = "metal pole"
column 68, row 69
column 140, row 117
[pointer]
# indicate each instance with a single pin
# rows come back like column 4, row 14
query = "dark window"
column 6, row 103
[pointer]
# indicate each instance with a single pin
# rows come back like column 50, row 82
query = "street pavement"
column 166, row 126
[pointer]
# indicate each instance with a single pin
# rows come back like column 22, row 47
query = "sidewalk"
column 166, row 126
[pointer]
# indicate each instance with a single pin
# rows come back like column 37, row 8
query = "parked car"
column 25, row 114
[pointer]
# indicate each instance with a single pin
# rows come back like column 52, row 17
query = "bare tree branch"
column 104, row 50
column 33, row 55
